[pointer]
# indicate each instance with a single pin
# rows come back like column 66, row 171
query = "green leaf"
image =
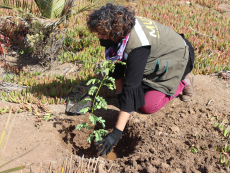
column 84, row 125
column 96, row 71
column 226, row 131
column 105, row 63
column 98, row 107
column 104, row 107
column 48, row 116
column 213, row 118
column 226, row 162
column 102, row 132
column 102, row 121
column 84, row 110
column 111, row 79
column 91, row 136
column 79, row 126
column 13, row 169
column 92, row 90
column 220, row 156
column 106, row 71
column 85, row 100
column 109, row 85
column 101, row 101
column 50, row 8
column 93, row 81
column 97, row 135
column 90, row 81
column 93, row 119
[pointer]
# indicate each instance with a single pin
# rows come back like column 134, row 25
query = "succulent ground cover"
column 202, row 141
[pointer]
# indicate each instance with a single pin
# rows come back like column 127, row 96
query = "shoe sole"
column 193, row 89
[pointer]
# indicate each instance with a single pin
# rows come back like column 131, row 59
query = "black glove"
column 109, row 141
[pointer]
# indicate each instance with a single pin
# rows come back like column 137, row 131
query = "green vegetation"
column 191, row 19
column 193, row 150
column 224, row 156
column 98, row 102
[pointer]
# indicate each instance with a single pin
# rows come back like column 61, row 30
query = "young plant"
column 193, row 150
column 98, row 102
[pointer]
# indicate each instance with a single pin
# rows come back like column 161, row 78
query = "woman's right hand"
column 109, row 141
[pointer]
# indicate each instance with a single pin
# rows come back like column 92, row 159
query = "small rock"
column 183, row 111
column 202, row 110
column 152, row 150
column 191, row 111
column 13, row 53
column 175, row 129
column 151, row 169
column 160, row 129
column 182, row 115
column 164, row 165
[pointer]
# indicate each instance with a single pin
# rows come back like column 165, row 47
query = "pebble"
column 160, row 129
column 182, row 115
column 151, row 169
column 175, row 129
column 191, row 111
column 13, row 53
column 152, row 150
column 164, row 165
column 203, row 110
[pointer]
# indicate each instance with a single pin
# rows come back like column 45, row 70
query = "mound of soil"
column 158, row 142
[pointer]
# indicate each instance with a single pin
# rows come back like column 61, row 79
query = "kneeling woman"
column 158, row 63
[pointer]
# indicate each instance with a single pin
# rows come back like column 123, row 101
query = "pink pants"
column 155, row 100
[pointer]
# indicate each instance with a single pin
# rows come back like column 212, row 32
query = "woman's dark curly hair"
column 112, row 20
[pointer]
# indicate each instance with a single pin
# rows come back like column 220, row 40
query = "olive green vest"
column 168, row 56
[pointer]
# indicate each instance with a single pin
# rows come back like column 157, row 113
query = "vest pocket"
column 160, row 69
column 156, row 71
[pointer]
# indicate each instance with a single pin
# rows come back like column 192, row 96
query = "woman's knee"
column 149, row 109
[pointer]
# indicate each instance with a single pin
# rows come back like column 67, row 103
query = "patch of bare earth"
column 226, row 9
column 156, row 142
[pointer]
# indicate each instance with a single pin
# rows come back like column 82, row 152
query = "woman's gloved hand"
column 109, row 141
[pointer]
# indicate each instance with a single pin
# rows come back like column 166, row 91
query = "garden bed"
column 181, row 137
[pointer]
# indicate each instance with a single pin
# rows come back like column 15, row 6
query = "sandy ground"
column 150, row 143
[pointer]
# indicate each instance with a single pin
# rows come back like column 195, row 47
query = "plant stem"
column 100, row 87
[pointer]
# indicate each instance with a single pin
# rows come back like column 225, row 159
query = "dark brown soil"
column 156, row 142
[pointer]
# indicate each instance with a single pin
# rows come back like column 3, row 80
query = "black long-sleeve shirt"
column 132, row 95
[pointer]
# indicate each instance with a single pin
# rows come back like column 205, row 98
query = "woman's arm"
column 122, row 120
column 131, row 95
column 119, row 84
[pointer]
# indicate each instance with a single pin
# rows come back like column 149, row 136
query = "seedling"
column 193, row 150
column 98, row 102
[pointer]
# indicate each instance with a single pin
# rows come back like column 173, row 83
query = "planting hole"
column 76, row 141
